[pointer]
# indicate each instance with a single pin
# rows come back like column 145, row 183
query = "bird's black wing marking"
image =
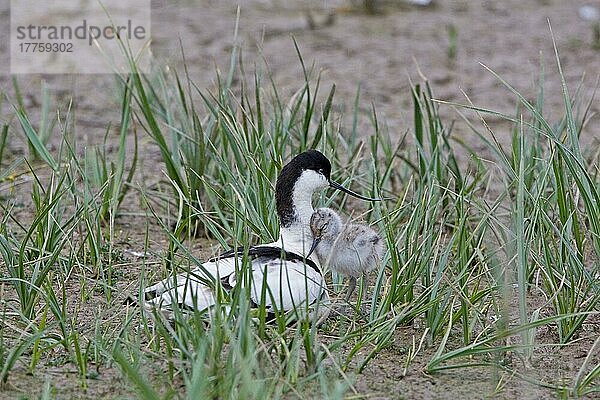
column 225, row 283
column 268, row 252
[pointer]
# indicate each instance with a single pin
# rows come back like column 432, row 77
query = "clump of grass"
column 37, row 138
column 112, row 177
column 228, row 140
column 3, row 141
column 41, row 255
column 550, row 195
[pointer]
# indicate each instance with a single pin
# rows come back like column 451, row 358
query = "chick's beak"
column 313, row 246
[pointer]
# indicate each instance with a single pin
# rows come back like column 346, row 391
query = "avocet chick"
column 348, row 249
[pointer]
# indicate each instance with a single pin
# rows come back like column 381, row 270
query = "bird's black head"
column 318, row 177
column 310, row 159
column 310, row 171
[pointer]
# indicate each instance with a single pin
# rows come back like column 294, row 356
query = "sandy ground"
column 382, row 54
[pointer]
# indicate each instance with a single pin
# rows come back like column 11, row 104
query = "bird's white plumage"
column 290, row 286
column 297, row 238
column 189, row 289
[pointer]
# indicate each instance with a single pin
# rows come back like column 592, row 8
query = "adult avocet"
column 293, row 276
column 348, row 249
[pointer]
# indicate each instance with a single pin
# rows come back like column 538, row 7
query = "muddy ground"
column 382, row 54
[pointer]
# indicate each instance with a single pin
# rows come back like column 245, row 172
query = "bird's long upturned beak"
column 313, row 246
column 337, row 186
